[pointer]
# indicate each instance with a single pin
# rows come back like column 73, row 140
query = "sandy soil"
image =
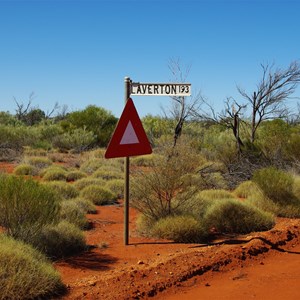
column 262, row 265
column 236, row 267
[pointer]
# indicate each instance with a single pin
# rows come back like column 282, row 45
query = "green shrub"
column 86, row 205
column 234, row 216
column 90, row 166
column 25, row 273
column 52, row 168
column 24, row 169
column 40, row 162
column 215, row 194
column 275, row 184
column 55, row 174
column 98, row 195
column 74, row 214
column 107, row 175
column 61, row 240
column 144, row 225
column 63, row 189
column 116, row 186
column 78, row 139
column 75, row 175
column 26, row 207
column 143, row 160
column 246, row 189
column 84, row 182
column 296, row 187
column 181, row 229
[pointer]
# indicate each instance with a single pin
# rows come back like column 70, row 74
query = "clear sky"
column 78, row 52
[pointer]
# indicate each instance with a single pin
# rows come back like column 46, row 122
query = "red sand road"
column 242, row 267
column 277, row 277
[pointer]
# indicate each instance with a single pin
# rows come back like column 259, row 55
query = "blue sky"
column 78, row 52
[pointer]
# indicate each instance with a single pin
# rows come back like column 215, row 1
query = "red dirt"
column 263, row 265
column 230, row 268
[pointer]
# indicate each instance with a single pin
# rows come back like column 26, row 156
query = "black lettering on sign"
column 167, row 89
column 149, row 89
column 174, row 89
column 161, row 88
column 155, row 89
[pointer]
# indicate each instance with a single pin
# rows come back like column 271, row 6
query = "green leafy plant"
column 74, row 214
column 25, row 169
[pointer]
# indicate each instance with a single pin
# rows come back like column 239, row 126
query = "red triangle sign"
column 129, row 137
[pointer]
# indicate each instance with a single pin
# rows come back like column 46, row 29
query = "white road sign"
column 160, row 89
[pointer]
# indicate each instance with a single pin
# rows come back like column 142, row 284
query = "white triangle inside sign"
column 129, row 136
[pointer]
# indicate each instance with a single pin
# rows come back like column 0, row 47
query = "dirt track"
column 164, row 270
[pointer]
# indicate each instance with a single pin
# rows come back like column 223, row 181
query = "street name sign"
column 160, row 89
column 129, row 137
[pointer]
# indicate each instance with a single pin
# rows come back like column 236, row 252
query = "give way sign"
column 129, row 137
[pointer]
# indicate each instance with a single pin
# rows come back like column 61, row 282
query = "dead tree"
column 275, row 87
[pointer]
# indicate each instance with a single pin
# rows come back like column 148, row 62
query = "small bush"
column 84, row 182
column 215, row 194
column 63, row 189
column 24, row 169
column 75, row 175
column 181, row 229
column 55, row 174
column 143, row 160
column 116, row 186
column 98, row 195
column 246, row 189
column 234, row 216
column 26, row 207
column 107, row 175
column 86, row 205
column 275, row 184
column 296, row 187
column 25, row 273
column 61, row 240
column 38, row 162
column 144, row 225
column 74, row 214
column 90, row 166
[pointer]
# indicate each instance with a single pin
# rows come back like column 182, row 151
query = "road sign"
column 160, row 89
column 129, row 137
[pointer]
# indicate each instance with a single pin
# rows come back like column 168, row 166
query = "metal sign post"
column 129, row 140
column 126, row 164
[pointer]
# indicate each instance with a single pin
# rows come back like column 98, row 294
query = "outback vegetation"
column 210, row 173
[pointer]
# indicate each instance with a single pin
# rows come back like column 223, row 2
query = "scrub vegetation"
column 209, row 174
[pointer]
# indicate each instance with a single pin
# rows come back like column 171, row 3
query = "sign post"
column 126, row 187
column 129, row 137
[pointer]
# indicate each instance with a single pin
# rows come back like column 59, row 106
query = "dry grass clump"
column 234, row 216
column 74, row 214
column 55, row 174
column 86, row 205
column 181, row 229
column 75, row 175
column 25, row 169
column 25, row 273
column 26, row 207
column 63, row 189
column 84, row 182
column 116, row 186
column 98, row 195
column 246, row 189
column 39, row 162
column 61, row 240
column 107, row 174
column 90, row 166
column 215, row 194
